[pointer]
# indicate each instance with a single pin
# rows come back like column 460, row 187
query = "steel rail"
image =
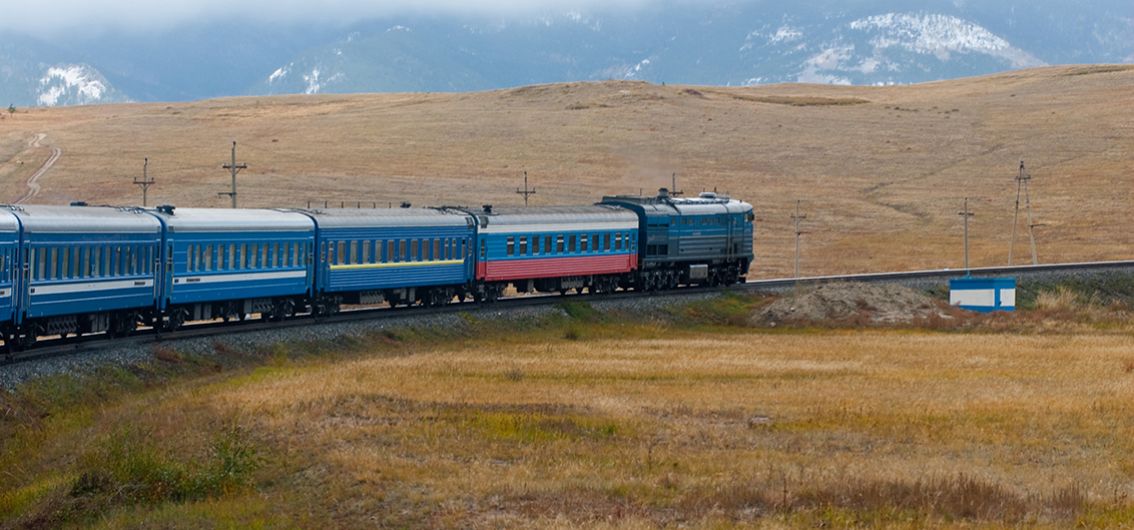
column 76, row 345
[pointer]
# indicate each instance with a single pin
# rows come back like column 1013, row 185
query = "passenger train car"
column 85, row 270
column 225, row 263
column 400, row 256
column 551, row 249
column 79, row 270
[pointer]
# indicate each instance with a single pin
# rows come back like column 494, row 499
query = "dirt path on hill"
column 33, row 180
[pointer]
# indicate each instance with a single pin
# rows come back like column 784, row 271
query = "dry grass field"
column 598, row 420
column 881, row 170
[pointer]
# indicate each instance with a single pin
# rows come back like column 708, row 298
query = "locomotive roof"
column 705, row 205
column 544, row 218
column 233, row 220
column 381, row 217
column 90, row 219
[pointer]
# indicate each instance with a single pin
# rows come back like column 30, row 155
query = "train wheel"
column 176, row 319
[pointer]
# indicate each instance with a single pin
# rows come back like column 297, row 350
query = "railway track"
column 78, row 345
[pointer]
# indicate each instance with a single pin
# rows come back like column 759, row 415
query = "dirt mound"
column 857, row 303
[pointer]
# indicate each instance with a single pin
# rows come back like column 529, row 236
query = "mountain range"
column 714, row 43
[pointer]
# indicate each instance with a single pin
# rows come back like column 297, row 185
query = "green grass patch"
column 529, row 427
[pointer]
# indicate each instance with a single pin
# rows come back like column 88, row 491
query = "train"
column 79, row 270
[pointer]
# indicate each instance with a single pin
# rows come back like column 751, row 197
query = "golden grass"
column 881, row 181
column 626, row 425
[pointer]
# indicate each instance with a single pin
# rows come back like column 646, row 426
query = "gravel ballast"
column 249, row 342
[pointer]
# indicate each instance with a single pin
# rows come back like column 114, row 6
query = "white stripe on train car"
column 240, row 277
column 563, row 228
column 91, row 286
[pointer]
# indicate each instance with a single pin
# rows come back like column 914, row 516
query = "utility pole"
column 1022, row 180
column 526, row 192
column 234, row 168
column 797, row 220
column 145, row 183
column 673, row 186
column 966, row 214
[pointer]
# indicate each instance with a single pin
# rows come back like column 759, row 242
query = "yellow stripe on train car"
column 368, row 266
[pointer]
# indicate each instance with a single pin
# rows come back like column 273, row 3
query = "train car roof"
column 549, row 218
column 8, row 222
column 233, row 220
column 84, row 219
column 386, row 217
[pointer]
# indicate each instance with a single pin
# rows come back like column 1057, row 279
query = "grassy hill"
column 881, row 171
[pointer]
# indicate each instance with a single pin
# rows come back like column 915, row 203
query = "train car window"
column 52, row 271
column 511, row 245
column 483, row 249
column 190, row 260
column 414, row 247
column 353, row 258
column 583, row 243
column 233, row 260
column 618, row 241
column 275, row 261
column 401, row 255
column 606, row 241
column 571, row 243
column 222, row 257
column 86, row 271
column 535, row 245
column 40, row 263
column 65, row 269
column 97, row 272
column 208, row 257
column 524, row 246
column 388, row 257
column 436, row 250
column 558, row 244
column 76, row 264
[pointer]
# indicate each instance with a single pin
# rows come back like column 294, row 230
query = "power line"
column 234, row 168
column 145, row 183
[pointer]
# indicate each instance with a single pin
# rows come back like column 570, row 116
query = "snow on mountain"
column 940, row 36
column 74, row 84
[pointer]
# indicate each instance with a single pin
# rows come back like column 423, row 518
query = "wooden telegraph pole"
column 966, row 215
column 526, row 192
column 145, row 183
column 797, row 221
column 1022, row 180
column 234, row 168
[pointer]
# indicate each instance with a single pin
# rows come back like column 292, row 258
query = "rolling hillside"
column 881, row 171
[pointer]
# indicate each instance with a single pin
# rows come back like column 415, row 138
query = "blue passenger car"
column 9, row 274
column 223, row 263
column 89, row 269
column 397, row 255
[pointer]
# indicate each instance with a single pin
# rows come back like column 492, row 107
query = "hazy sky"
column 48, row 16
